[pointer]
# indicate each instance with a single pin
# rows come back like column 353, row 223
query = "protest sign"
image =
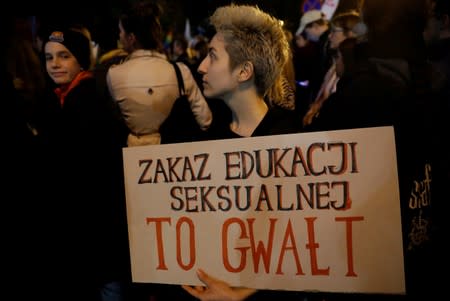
column 310, row 211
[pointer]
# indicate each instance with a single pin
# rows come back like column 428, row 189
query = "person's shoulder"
column 116, row 61
column 116, row 68
column 184, row 68
column 282, row 121
column 121, row 70
column 86, row 79
column 86, row 86
column 114, row 56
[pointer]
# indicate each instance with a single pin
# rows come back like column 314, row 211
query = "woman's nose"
column 202, row 67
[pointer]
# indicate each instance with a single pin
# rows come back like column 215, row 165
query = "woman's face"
column 218, row 80
column 313, row 32
column 61, row 64
column 336, row 36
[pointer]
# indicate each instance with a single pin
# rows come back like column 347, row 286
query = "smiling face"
column 218, row 79
column 61, row 64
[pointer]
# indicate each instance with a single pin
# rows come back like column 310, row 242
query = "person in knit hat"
column 69, row 47
column 67, row 60
column 83, row 145
column 77, row 43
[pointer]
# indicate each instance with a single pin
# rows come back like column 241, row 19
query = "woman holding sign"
column 246, row 55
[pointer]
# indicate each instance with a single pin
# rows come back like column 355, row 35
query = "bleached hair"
column 253, row 35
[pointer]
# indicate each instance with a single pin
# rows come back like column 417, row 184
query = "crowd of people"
column 69, row 113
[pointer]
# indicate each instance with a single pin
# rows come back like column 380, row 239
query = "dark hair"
column 202, row 47
column 442, row 8
column 347, row 49
column 142, row 19
column 181, row 41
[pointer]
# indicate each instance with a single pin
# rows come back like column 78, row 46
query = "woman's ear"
column 246, row 71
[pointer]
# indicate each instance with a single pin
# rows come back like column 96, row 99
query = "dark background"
column 101, row 16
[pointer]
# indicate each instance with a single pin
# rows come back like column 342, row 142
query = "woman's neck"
column 248, row 110
column 137, row 53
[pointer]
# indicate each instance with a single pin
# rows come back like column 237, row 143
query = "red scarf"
column 62, row 91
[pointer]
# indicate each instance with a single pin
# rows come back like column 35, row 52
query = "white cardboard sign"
column 310, row 211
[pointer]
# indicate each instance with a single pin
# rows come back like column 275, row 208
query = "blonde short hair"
column 255, row 36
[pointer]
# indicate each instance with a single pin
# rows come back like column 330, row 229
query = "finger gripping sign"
column 311, row 211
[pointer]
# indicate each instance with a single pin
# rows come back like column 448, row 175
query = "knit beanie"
column 77, row 43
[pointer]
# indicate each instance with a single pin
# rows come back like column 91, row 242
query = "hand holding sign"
column 216, row 289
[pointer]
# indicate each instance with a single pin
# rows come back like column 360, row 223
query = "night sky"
column 93, row 13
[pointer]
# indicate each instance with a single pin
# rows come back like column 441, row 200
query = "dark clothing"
column 85, row 191
column 311, row 64
column 24, row 243
column 439, row 57
column 277, row 121
column 384, row 92
column 100, row 71
column 305, row 66
column 322, row 64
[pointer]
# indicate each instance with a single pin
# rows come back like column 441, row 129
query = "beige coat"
column 145, row 87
